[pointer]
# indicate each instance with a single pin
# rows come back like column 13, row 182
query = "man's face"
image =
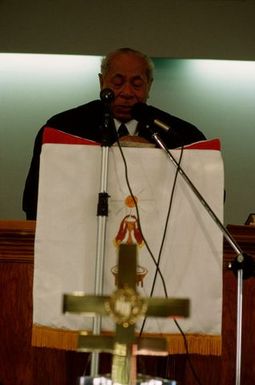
column 128, row 80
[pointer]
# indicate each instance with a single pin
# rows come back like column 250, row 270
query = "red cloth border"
column 211, row 144
column 52, row 135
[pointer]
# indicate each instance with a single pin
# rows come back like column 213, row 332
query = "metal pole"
column 242, row 262
column 100, row 254
column 239, row 325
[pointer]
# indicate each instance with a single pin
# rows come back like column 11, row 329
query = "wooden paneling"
column 16, row 272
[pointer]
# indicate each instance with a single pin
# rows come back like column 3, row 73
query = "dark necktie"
column 122, row 131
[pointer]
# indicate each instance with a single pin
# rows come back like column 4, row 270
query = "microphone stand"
column 102, row 213
column 243, row 265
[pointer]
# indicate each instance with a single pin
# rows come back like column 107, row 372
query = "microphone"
column 107, row 128
column 107, row 95
column 143, row 112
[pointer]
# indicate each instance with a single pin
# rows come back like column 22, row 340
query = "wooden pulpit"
column 22, row 364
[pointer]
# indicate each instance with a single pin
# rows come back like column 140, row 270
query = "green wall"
column 217, row 96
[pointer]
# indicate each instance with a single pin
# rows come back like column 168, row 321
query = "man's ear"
column 101, row 81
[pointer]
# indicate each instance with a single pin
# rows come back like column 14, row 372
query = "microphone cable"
column 164, row 233
column 138, row 217
column 158, row 271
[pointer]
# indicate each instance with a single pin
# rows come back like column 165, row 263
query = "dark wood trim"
column 17, row 241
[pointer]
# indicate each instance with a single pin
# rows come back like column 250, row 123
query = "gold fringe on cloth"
column 63, row 339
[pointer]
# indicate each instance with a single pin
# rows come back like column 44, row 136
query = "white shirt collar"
column 131, row 126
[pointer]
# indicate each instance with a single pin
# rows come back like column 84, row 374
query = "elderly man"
column 129, row 74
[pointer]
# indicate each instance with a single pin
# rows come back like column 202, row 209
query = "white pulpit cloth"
column 66, row 231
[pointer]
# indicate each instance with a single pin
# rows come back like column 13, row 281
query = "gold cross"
column 125, row 306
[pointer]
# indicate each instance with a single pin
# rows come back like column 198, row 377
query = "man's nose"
column 127, row 90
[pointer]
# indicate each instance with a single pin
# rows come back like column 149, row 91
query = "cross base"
column 141, row 380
